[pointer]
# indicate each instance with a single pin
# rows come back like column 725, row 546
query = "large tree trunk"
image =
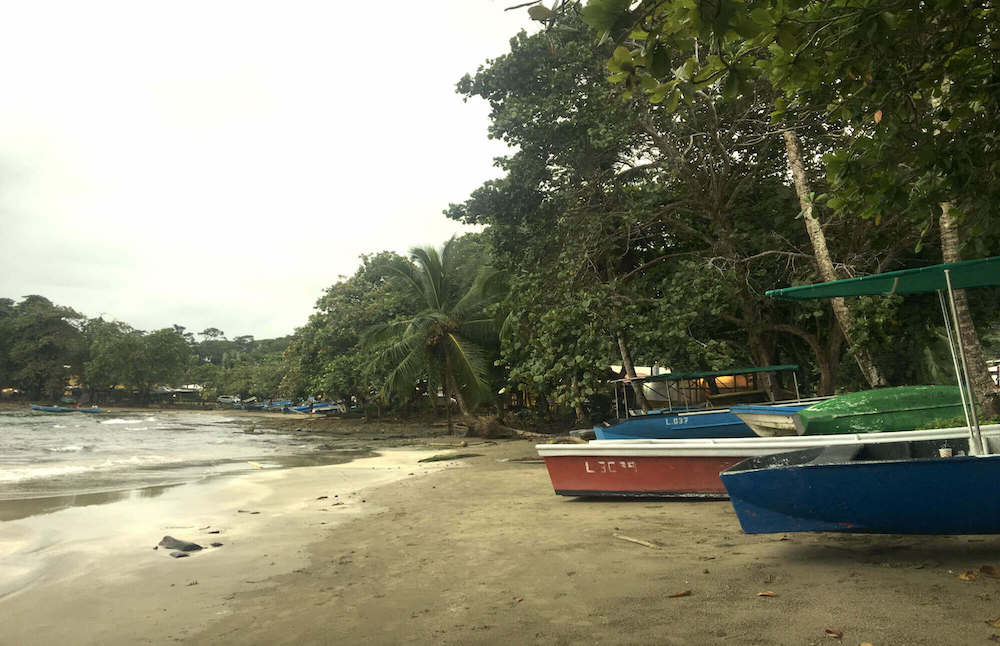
column 447, row 403
column 761, row 351
column 640, row 397
column 865, row 362
column 581, row 414
column 985, row 390
column 827, row 357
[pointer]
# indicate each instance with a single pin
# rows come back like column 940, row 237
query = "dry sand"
column 487, row 554
column 482, row 552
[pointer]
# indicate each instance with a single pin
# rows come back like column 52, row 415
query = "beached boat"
column 900, row 487
column 894, row 488
column 63, row 409
column 903, row 408
column 51, row 409
column 769, row 421
column 317, row 407
column 689, row 422
column 688, row 468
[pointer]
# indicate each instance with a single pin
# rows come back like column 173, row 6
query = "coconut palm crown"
column 447, row 341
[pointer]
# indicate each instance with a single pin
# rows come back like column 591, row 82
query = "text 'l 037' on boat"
column 694, row 393
column 901, row 487
column 687, row 468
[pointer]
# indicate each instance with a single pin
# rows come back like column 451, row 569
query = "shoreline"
column 99, row 561
column 481, row 551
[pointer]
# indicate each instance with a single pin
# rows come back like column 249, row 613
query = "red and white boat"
column 689, row 468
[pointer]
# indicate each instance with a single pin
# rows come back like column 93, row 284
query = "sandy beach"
column 480, row 551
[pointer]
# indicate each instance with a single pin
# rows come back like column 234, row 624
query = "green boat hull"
column 904, row 408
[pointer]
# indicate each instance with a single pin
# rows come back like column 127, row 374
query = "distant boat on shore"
column 317, row 407
column 63, row 409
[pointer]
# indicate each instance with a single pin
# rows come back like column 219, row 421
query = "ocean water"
column 62, row 454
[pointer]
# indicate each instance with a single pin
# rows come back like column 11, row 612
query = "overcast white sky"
column 220, row 163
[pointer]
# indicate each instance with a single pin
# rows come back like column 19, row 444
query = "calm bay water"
column 60, row 454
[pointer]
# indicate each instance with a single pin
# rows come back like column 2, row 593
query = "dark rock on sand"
column 216, row 544
column 179, row 555
column 172, row 543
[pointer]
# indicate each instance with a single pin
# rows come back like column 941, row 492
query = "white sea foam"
column 72, row 448
column 36, row 473
column 21, row 474
column 122, row 421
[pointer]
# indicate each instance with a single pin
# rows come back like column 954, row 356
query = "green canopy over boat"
column 984, row 272
column 943, row 279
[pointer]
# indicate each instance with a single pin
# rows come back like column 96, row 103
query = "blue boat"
column 317, row 407
column 890, row 488
column 905, row 487
column 51, row 409
column 692, row 423
column 676, row 425
column 62, row 409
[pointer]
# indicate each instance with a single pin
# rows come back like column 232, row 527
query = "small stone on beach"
column 172, row 543
column 179, row 555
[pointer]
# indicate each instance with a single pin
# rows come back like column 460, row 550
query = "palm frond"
column 483, row 331
column 507, row 326
column 396, row 351
column 408, row 273
column 402, row 379
column 488, row 288
column 380, row 333
column 430, row 273
column 468, row 364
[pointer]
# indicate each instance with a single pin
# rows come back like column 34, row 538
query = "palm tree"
column 447, row 342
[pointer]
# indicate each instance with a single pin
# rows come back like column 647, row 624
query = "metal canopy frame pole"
column 670, row 406
column 618, row 413
column 974, row 430
column 954, row 358
column 795, row 380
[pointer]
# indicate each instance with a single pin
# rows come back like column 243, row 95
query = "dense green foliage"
column 41, row 345
column 47, row 351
